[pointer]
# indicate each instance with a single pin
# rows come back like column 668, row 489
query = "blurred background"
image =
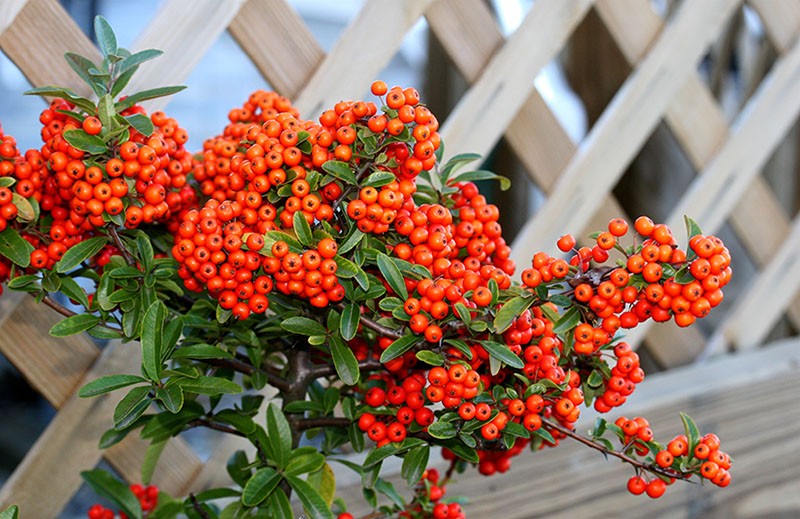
column 703, row 128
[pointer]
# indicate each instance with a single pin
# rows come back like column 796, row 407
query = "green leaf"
column 302, row 229
column 121, row 82
column 105, row 36
column 692, row 229
column 377, row 455
column 344, row 360
column 132, row 406
column 137, row 58
column 79, row 253
column 201, row 351
column 109, row 487
column 430, row 357
column 279, row 434
column 349, row 321
column 145, row 95
column 568, row 320
column 502, row 353
column 303, row 326
column 463, row 313
column 141, row 123
column 351, row 241
column 399, row 347
column 260, row 486
column 73, row 290
column 279, row 506
column 145, row 248
column 414, row 464
column 345, row 268
column 171, row 397
column 324, row 480
column 472, row 176
column 73, row 325
column 340, row 170
column 442, row 430
column 151, row 456
column 26, row 212
column 392, row 274
column 209, row 385
column 692, row 434
column 67, row 94
column 82, row 66
column 91, row 144
column 304, row 463
column 153, row 339
column 312, row 501
column 238, row 468
column 7, row 181
column 380, row 178
column 242, row 423
column 21, row 282
column 457, row 162
column 108, row 383
column 15, row 248
column 462, row 451
column 12, row 512
column 510, row 311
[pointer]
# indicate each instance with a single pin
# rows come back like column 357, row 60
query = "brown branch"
column 327, row 370
column 66, row 312
column 130, row 260
column 197, row 508
column 205, row 422
column 326, row 421
column 648, row 467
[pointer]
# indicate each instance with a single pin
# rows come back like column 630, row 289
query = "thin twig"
column 197, row 508
column 66, row 312
column 326, row 421
column 205, row 422
column 327, row 370
column 605, row 450
column 130, row 260
column 247, row 369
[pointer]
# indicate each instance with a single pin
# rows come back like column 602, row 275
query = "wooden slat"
column 347, row 70
column 11, row 9
column 766, row 297
column 36, row 39
column 780, row 20
column 485, row 111
column 292, row 53
column 184, row 33
column 626, row 123
column 70, row 440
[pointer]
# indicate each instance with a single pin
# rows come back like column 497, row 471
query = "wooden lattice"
column 664, row 85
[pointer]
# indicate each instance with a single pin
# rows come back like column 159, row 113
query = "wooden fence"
column 664, row 85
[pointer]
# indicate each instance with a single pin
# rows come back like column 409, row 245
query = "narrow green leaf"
column 74, row 291
column 26, row 211
column 171, row 397
column 568, row 320
column 12, row 512
column 345, row 362
column 260, row 486
column 141, row 123
column 279, row 434
column 340, row 170
column 145, row 248
column 132, row 406
column 399, row 347
column 430, row 357
column 209, row 385
column 108, row 383
column 153, row 339
column 105, row 111
column 145, row 95
column 82, row 66
column 392, row 275
column 137, row 58
column 380, row 178
column 349, row 321
column 463, row 313
column 351, row 241
column 472, row 176
column 345, row 268
column 121, row 82
column 91, row 144
column 304, row 463
column 457, row 162
column 692, row 433
column 415, row 463
column 509, row 312
column 302, row 229
column 324, row 480
column 692, row 229
column 15, row 248
column 312, row 501
column 109, row 487
column 105, row 36
column 7, row 181
column 151, row 456
column 201, row 351
column 462, row 451
column 21, row 282
column 379, row 454
column 303, row 326
column 79, row 253
column 279, row 506
column 73, row 325
column 442, row 430
column 502, row 353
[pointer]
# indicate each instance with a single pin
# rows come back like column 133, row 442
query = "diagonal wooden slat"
column 36, row 38
column 780, row 20
column 11, row 9
column 485, row 111
column 754, row 315
column 292, row 54
column 184, row 34
column 347, row 70
column 624, row 126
